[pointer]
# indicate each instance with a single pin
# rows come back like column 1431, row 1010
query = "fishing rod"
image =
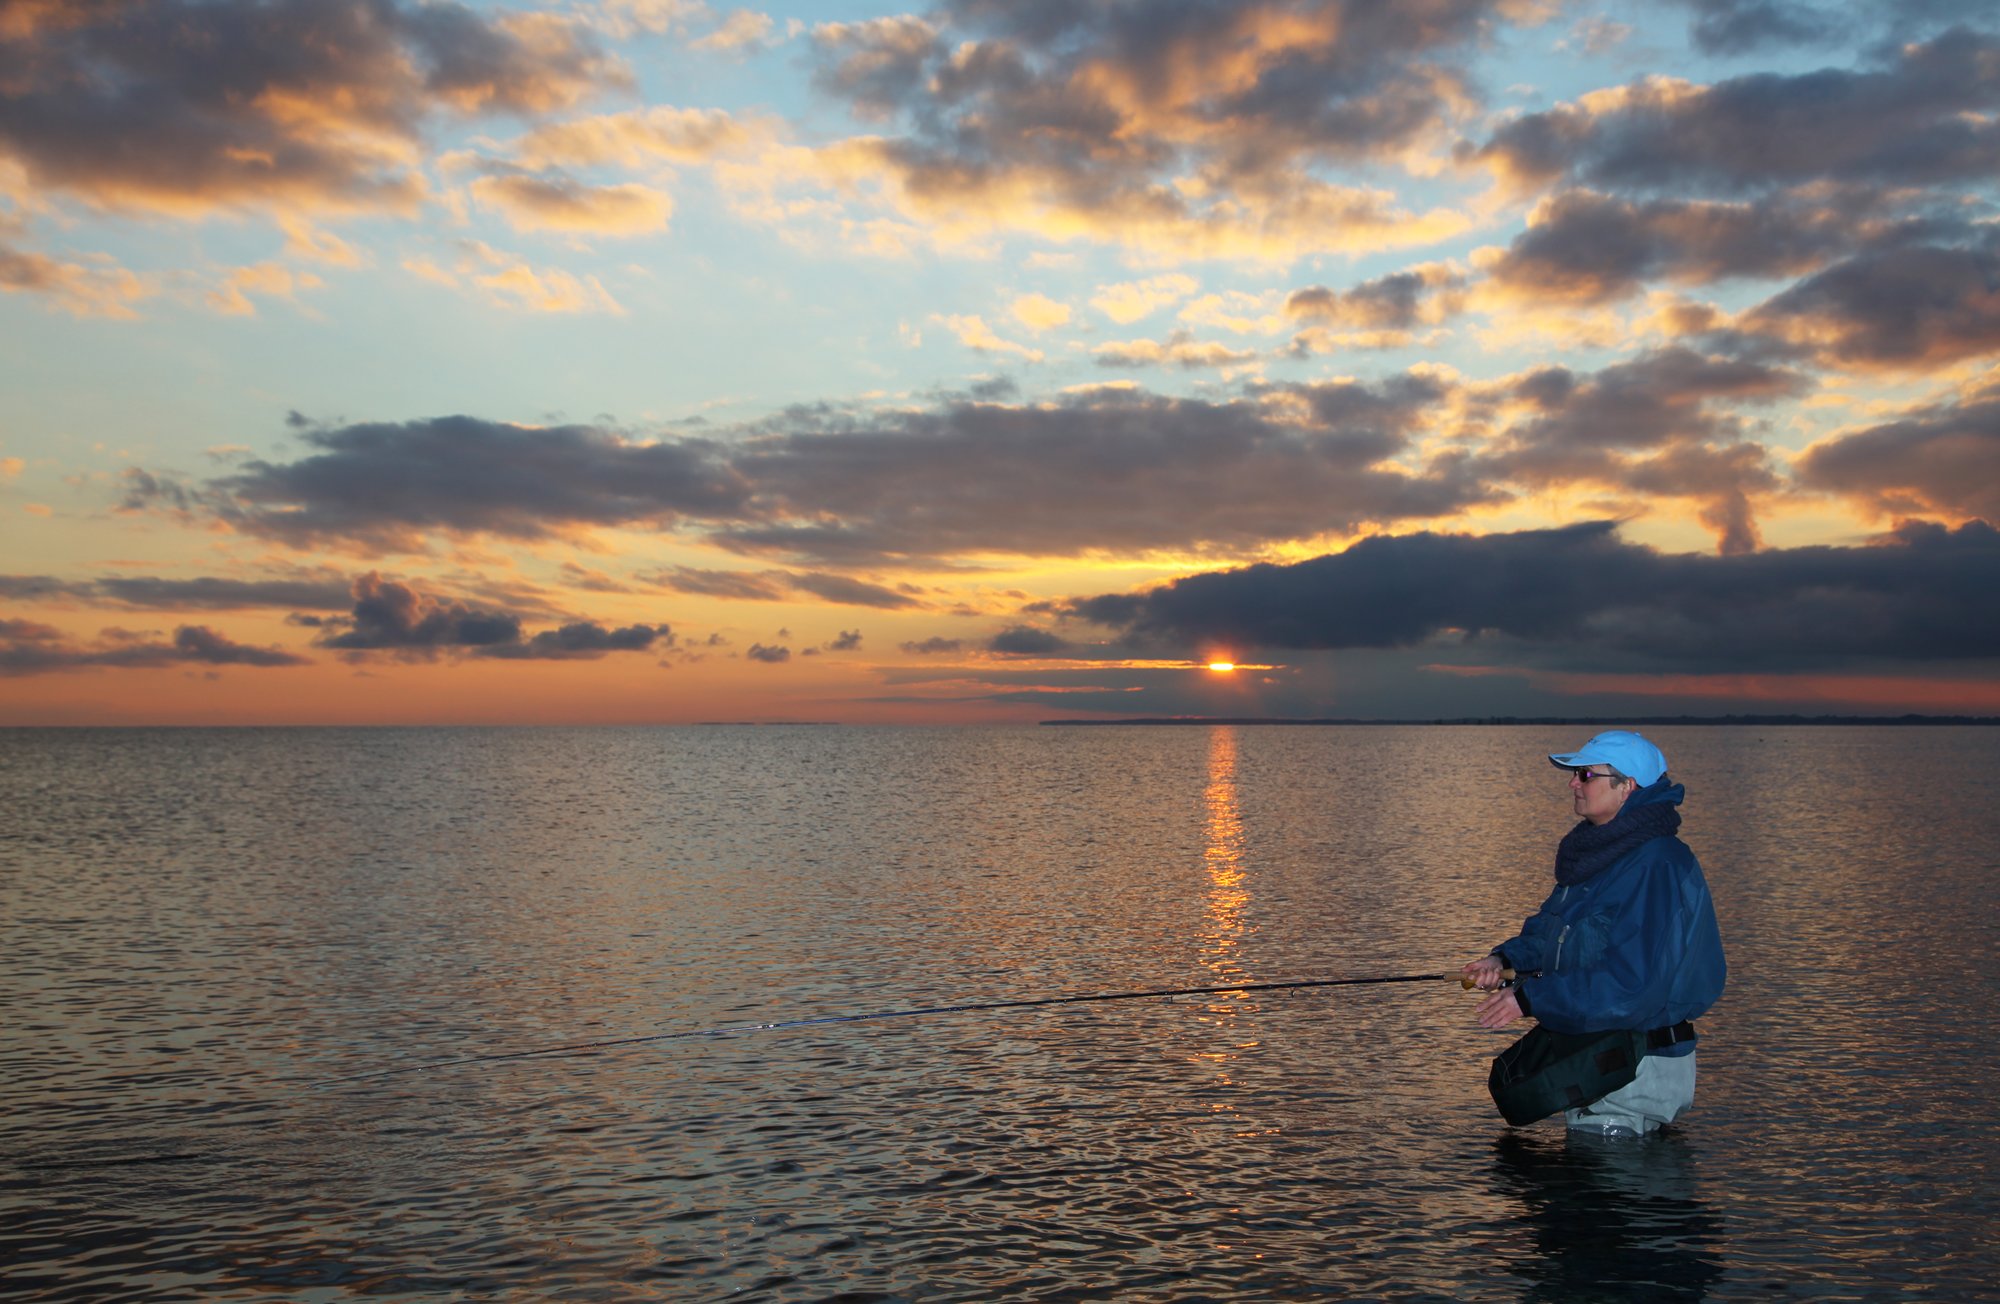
column 978, row 1007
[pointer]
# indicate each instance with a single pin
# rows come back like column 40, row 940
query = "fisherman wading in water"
column 1627, row 942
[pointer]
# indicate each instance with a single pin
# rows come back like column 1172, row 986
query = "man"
column 1628, row 938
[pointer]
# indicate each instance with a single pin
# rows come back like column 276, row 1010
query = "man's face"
column 1598, row 798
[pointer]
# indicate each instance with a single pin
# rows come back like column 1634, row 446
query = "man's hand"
column 1499, row 1009
column 1485, row 974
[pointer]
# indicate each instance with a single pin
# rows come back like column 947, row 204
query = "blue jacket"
column 1635, row 945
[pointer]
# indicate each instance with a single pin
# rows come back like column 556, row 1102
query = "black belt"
column 1661, row 1038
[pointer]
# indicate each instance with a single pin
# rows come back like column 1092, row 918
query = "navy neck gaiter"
column 1589, row 849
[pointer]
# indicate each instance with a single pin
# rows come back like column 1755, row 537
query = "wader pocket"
column 1546, row 1072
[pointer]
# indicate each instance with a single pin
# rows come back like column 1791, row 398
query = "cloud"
column 624, row 17
column 392, row 616
column 1941, row 459
column 1027, row 641
column 1128, row 302
column 1907, row 308
column 397, row 618
column 1381, row 313
column 1580, row 597
column 876, row 63
column 1744, row 26
column 1038, row 312
column 1595, row 35
column 931, row 647
column 385, row 485
column 1189, row 130
column 1664, row 424
column 591, row 581
column 770, row 656
column 1927, row 116
column 1181, row 350
column 32, row 587
column 201, row 644
column 304, row 241
column 83, row 291
column 743, row 586
column 974, row 333
column 554, row 202
column 1585, row 248
column 1108, row 469
column 743, row 30
column 1237, row 311
column 971, row 477
column 1101, row 470
column 639, row 138
column 505, row 280
column 272, row 280
column 29, row 648
column 849, row 641
column 779, row 586
column 581, row 641
column 190, row 107
column 852, row 592
column 206, row 593
column 1660, row 397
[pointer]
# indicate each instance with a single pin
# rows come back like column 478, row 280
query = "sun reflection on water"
column 1225, row 917
column 1222, row 856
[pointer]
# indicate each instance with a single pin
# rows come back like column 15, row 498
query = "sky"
column 659, row 361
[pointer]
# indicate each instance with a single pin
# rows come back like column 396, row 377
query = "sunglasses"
column 1587, row 775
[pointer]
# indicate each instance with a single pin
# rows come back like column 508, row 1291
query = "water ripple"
column 205, row 930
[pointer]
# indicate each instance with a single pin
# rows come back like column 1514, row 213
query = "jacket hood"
column 1661, row 791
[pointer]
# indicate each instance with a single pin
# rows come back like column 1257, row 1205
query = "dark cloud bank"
column 1921, row 595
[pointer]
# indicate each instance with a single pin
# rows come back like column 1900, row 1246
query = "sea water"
column 209, row 934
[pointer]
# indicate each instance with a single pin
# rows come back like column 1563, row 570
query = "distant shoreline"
column 1564, row 720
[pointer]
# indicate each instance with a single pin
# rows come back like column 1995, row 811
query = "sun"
column 1222, row 667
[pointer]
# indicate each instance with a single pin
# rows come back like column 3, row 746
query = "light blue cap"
column 1624, row 752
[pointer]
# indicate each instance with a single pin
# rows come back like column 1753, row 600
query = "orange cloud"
column 83, row 291
column 743, row 30
column 974, row 333
column 635, row 139
column 1038, row 312
column 623, row 17
column 508, row 280
column 273, row 280
column 562, row 204
column 1128, row 302
column 306, row 241
column 1180, row 350
column 1236, row 311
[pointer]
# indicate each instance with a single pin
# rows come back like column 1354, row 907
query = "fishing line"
column 576, row 1048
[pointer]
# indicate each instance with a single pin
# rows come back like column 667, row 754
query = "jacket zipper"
column 1557, row 966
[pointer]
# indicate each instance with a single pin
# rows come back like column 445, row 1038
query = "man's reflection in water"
column 1612, row 1218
